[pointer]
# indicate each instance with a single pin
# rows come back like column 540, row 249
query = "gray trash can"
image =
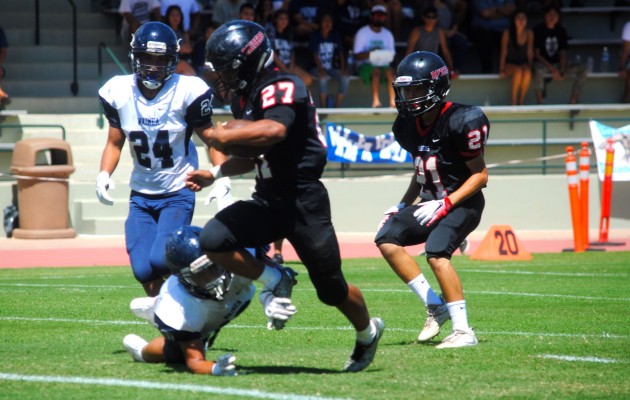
column 43, row 166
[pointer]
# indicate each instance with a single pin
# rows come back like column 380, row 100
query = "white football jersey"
column 159, row 130
column 182, row 311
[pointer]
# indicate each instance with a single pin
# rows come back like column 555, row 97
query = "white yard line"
column 497, row 293
column 580, row 359
column 520, row 272
column 603, row 335
column 159, row 386
column 562, row 296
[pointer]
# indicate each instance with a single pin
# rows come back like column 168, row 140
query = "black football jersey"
column 300, row 158
column 440, row 151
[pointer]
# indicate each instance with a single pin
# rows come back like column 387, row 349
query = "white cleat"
column 437, row 315
column 459, row 338
column 134, row 345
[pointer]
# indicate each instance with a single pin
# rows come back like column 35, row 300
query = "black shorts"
column 303, row 219
column 443, row 237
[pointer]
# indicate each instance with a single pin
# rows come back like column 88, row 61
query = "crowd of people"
column 330, row 41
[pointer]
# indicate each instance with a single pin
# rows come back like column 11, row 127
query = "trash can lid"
column 26, row 151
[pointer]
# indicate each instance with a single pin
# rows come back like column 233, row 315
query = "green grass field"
column 557, row 327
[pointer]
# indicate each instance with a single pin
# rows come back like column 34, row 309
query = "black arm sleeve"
column 110, row 113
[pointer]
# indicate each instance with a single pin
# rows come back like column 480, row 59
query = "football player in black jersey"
column 447, row 142
column 289, row 201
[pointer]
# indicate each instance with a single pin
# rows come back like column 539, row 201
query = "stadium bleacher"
column 40, row 78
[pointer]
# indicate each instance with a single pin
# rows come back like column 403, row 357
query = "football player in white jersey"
column 157, row 111
column 195, row 302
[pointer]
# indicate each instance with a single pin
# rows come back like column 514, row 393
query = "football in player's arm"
column 289, row 200
column 447, row 142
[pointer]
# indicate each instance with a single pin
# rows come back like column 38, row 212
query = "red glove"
column 431, row 211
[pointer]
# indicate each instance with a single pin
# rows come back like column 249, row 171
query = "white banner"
column 347, row 146
column 621, row 162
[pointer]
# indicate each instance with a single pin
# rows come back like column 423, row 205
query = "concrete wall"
column 525, row 199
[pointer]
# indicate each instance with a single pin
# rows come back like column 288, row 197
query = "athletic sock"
column 270, row 277
column 422, row 289
column 459, row 317
column 367, row 335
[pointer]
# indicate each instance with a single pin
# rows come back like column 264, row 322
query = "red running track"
column 87, row 251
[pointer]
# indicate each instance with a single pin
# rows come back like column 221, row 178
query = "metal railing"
column 74, row 86
column 539, row 164
column 54, row 126
column 103, row 47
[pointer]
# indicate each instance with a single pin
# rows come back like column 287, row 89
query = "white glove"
column 224, row 365
column 103, row 184
column 389, row 212
column 430, row 211
column 278, row 310
column 222, row 191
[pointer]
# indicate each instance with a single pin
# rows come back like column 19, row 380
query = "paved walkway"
column 110, row 250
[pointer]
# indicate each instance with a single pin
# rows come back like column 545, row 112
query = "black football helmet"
column 187, row 261
column 237, row 52
column 422, row 82
column 154, row 39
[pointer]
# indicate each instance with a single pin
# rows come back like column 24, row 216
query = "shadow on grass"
column 262, row 369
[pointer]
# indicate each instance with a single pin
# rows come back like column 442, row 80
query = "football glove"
column 224, row 365
column 431, row 211
column 389, row 212
column 222, row 192
column 103, row 184
column 278, row 310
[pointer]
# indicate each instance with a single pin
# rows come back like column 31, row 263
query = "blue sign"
column 347, row 146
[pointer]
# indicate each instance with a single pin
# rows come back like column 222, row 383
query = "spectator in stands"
column 304, row 17
column 4, row 46
column 136, row 13
column 349, row 20
column 304, row 23
column 624, row 68
column 489, row 19
column 448, row 18
column 373, row 46
column 174, row 19
column 430, row 37
column 517, row 56
column 394, row 16
column 329, row 60
column 280, row 5
column 247, row 12
column 199, row 50
column 190, row 12
column 264, row 14
column 226, row 10
column 281, row 38
column 550, row 56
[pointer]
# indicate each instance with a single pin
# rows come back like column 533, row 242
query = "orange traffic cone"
column 500, row 243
